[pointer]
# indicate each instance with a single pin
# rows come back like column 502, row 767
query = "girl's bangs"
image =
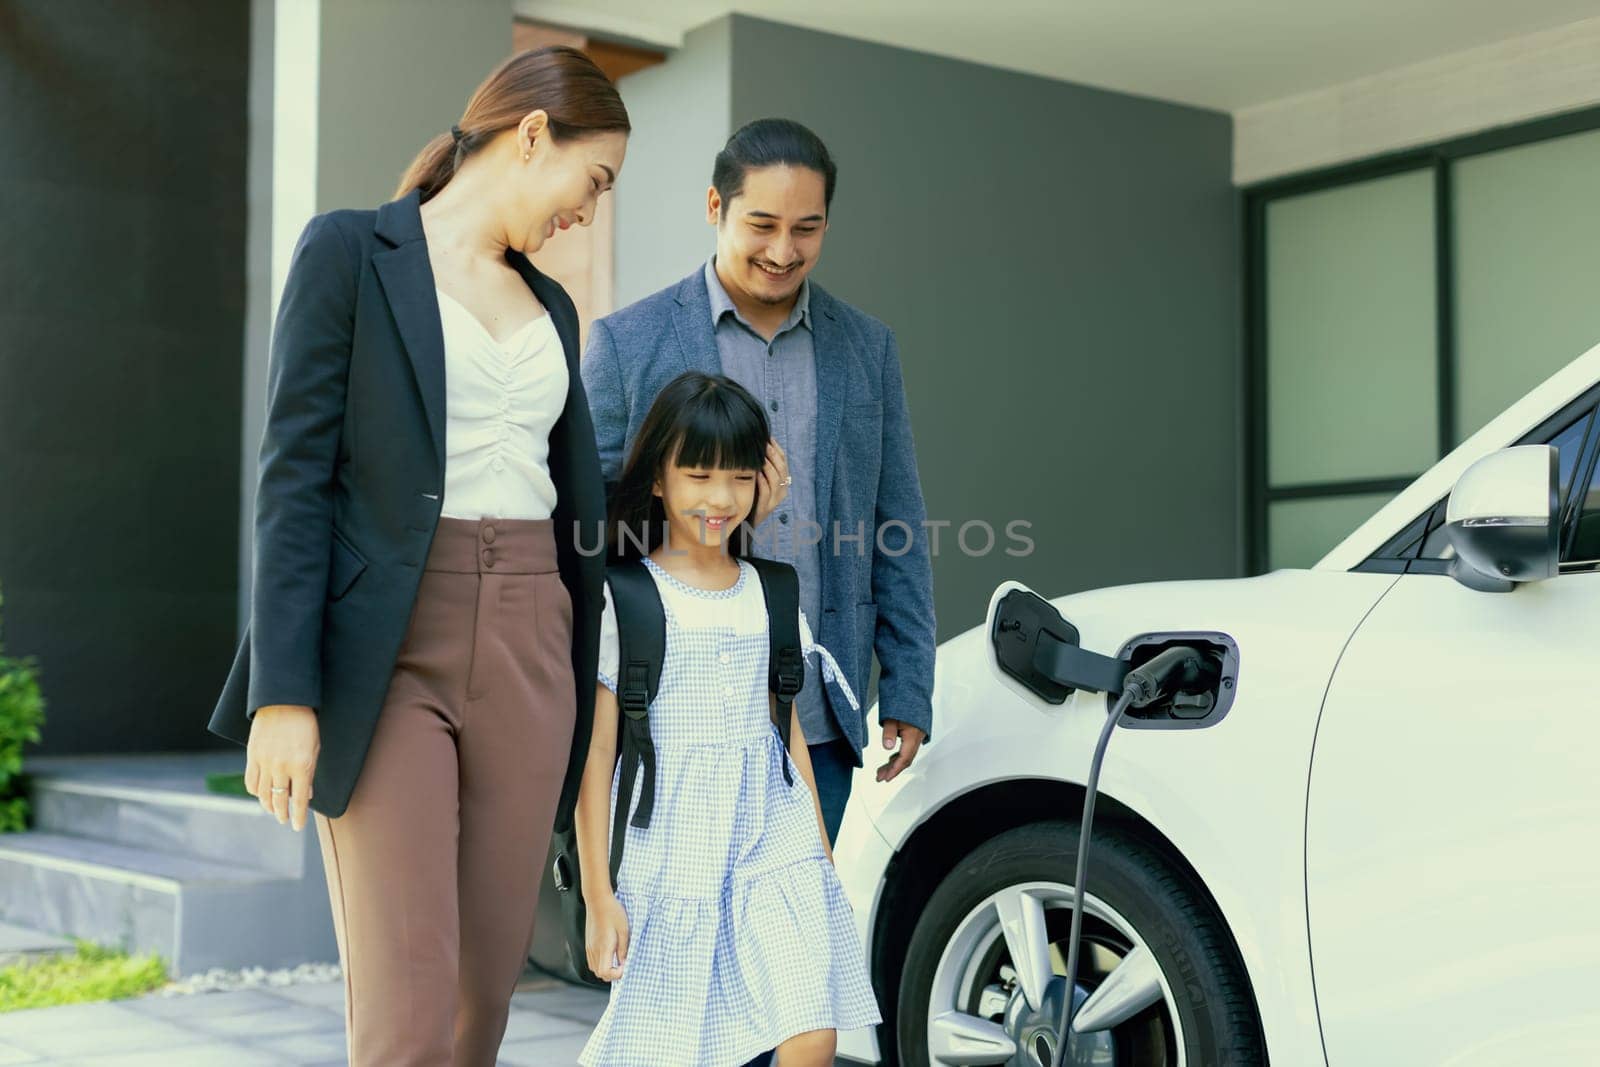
column 718, row 432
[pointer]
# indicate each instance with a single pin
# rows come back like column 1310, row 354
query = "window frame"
column 1440, row 158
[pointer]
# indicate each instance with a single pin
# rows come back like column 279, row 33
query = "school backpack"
column 642, row 643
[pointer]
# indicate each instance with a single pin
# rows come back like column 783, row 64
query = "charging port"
column 1197, row 705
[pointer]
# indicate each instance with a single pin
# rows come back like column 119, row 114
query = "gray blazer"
column 872, row 600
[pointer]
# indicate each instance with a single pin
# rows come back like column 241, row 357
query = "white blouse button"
column 725, row 658
column 499, row 464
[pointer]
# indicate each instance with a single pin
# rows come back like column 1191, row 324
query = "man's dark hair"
column 772, row 143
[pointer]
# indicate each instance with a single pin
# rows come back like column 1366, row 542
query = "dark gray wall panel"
column 1060, row 266
column 122, row 170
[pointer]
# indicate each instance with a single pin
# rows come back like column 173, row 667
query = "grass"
column 90, row 974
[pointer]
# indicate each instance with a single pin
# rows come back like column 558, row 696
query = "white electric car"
column 1375, row 841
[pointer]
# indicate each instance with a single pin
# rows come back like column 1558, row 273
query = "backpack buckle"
column 791, row 672
column 635, row 695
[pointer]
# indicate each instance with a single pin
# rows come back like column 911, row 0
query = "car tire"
column 1206, row 986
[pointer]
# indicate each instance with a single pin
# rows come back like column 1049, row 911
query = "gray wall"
column 1060, row 266
column 680, row 112
column 390, row 75
column 393, row 74
column 122, row 182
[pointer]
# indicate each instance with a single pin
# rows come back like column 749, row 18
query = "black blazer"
column 351, row 484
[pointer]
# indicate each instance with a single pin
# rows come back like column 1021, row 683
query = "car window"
column 1585, row 546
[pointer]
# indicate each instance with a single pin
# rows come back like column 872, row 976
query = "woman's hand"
column 774, row 484
column 605, row 937
column 281, row 758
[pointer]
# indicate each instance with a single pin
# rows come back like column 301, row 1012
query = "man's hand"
column 774, row 484
column 280, row 760
column 910, row 740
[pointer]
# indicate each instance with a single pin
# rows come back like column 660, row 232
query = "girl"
column 728, row 932
column 421, row 611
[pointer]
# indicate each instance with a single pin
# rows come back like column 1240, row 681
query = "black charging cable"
column 1175, row 670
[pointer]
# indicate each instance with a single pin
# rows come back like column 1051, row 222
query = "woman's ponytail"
column 432, row 169
column 578, row 98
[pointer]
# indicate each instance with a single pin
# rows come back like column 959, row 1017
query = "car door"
column 1452, row 877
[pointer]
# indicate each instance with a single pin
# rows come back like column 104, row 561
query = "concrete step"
column 163, row 818
column 196, row 913
column 20, row 943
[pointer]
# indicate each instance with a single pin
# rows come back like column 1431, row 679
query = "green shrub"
column 90, row 974
column 21, row 715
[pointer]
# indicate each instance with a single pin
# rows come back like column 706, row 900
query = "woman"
column 423, row 635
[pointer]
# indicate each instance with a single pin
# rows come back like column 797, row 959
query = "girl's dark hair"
column 575, row 93
column 772, row 143
column 698, row 420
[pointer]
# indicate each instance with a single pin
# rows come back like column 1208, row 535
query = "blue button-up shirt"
column 782, row 374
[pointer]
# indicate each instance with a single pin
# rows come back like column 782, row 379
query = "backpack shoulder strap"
column 642, row 646
column 786, row 669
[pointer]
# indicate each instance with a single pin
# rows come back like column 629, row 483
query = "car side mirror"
column 1502, row 519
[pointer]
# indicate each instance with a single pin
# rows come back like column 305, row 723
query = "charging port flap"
column 1038, row 648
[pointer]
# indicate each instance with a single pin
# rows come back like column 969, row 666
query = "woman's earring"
column 527, row 153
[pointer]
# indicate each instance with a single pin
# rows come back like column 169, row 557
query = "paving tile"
column 204, row 1005
column 216, row 1054
column 523, row 1025
column 550, row 1052
column 567, row 1002
column 12, row 1056
column 287, row 1019
column 91, row 1030
column 326, row 1046
column 289, row 1026
column 328, row 995
column 68, row 1017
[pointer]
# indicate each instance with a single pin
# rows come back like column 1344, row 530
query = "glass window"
column 1359, row 371
column 1586, row 541
column 1408, row 542
column 1585, row 547
column 1351, row 351
column 1300, row 532
column 1526, row 271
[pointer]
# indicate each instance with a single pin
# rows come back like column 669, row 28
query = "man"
column 839, row 498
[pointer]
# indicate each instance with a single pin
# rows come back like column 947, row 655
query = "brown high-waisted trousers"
column 434, row 869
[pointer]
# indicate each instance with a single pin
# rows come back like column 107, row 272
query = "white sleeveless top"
column 501, row 400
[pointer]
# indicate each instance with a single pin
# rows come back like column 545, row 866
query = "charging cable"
column 1174, row 670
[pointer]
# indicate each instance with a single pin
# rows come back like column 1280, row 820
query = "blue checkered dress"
column 740, row 935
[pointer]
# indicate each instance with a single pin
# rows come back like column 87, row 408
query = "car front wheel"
column 1160, row 983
